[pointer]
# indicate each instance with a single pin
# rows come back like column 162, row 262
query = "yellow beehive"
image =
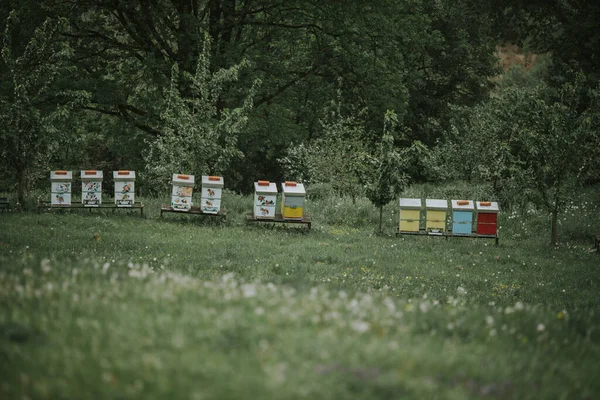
column 292, row 200
column 436, row 211
column 410, row 215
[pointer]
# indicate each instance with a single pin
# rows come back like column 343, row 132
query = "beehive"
column 487, row 218
column 436, row 211
column 265, row 199
column 462, row 217
column 124, row 188
column 60, row 188
column 212, row 186
column 410, row 215
column 181, row 195
column 292, row 200
column 91, row 188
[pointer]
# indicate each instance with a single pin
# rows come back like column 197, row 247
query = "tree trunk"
column 554, row 237
column 22, row 176
column 380, row 217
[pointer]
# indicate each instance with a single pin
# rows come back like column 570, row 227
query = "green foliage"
column 34, row 103
column 532, row 144
column 385, row 178
column 337, row 158
column 196, row 137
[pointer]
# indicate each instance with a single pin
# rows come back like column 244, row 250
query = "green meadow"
column 102, row 305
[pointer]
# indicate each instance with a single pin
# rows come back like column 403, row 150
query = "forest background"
column 352, row 97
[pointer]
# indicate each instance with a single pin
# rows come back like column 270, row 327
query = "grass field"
column 196, row 308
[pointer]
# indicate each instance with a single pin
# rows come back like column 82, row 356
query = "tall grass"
column 200, row 308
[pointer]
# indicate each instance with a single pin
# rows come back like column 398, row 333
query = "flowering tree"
column 385, row 178
column 196, row 136
column 35, row 100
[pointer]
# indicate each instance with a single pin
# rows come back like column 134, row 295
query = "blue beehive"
column 462, row 217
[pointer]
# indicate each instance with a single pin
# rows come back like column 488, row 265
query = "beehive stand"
column 4, row 204
column 46, row 206
column 194, row 210
column 306, row 220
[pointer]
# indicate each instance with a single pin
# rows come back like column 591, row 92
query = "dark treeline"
column 234, row 87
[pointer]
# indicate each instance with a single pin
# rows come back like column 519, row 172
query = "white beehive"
column 265, row 199
column 124, row 188
column 292, row 200
column 91, row 188
column 60, row 188
column 212, row 187
column 181, row 196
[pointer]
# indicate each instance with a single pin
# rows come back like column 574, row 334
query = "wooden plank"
column 106, row 206
column 195, row 210
column 306, row 220
column 448, row 234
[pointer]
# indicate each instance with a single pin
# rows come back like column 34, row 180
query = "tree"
column 385, row 179
column 34, row 100
column 198, row 137
column 336, row 158
column 534, row 140
column 557, row 144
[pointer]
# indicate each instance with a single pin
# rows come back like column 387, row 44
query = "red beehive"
column 487, row 218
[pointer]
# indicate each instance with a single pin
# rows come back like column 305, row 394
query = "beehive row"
column 183, row 189
column 91, row 188
column 468, row 217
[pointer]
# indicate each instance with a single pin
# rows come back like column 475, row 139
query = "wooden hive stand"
column 46, row 206
column 4, row 204
column 194, row 210
column 306, row 220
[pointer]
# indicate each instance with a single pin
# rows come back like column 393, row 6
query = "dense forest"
column 304, row 89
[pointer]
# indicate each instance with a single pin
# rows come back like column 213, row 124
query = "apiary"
column 212, row 187
column 124, row 188
column 436, row 211
column 462, row 217
column 60, row 188
column 410, row 215
column 487, row 218
column 91, row 188
column 265, row 199
column 292, row 200
column 181, row 195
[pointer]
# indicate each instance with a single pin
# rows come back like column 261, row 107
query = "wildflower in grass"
column 461, row 291
column 541, row 327
column 359, row 326
column 489, row 320
column 45, row 265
